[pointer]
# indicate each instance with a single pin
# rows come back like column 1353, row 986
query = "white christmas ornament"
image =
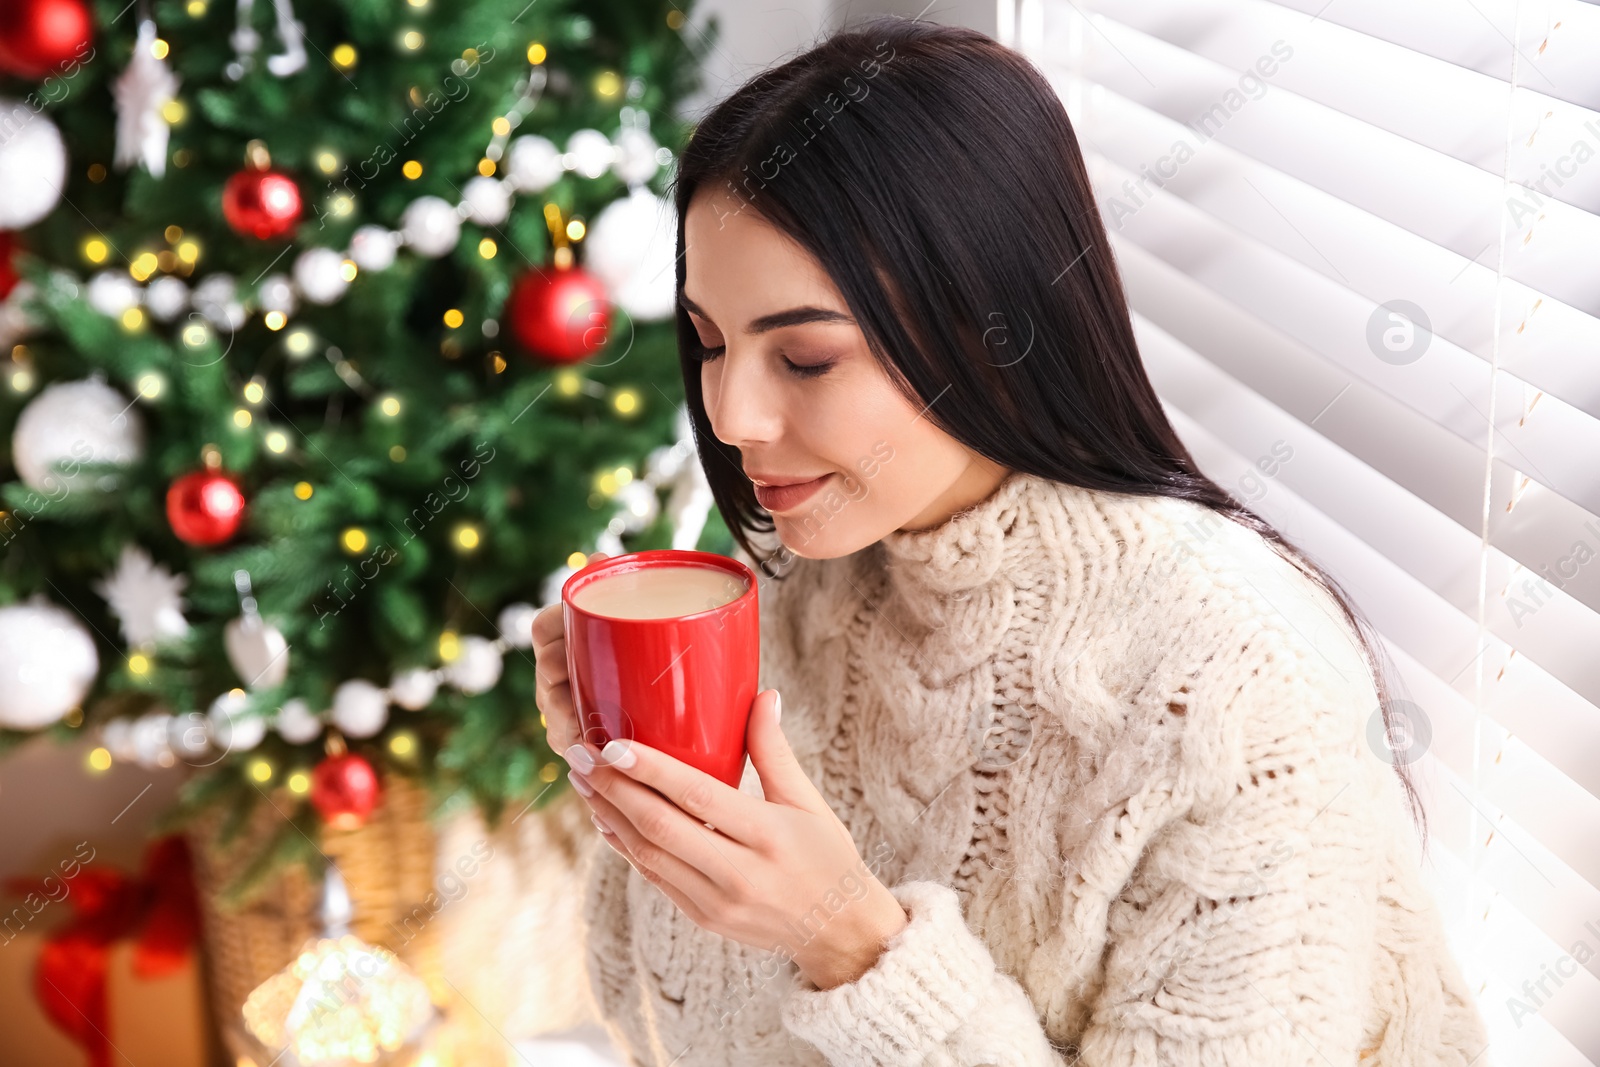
column 152, row 740
column 111, row 292
column 631, row 248
column 488, row 201
column 516, row 624
column 431, row 226
column 165, row 298
column 47, row 664
column 360, row 708
column 591, row 152
column 257, row 651
column 117, row 736
column 141, row 91
column 296, row 723
column 232, row 727
column 636, row 156
column 216, row 299
column 373, row 248
column 276, row 294
column 319, row 272
column 188, row 736
column 533, row 164
column 477, row 665
column 146, row 598
column 33, row 165
column 78, row 422
column 550, row 592
column 640, row 506
column 413, row 688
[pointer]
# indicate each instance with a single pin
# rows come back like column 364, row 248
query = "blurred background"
column 334, row 337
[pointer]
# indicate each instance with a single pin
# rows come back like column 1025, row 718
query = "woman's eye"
column 706, row 353
column 808, row 370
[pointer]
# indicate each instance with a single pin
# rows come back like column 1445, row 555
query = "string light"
column 95, row 250
column 625, row 401
column 453, row 318
column 100, row 760
column 132, row 319
column 299, row 782
column 390, row 406
column 242, row 417
column 260, row 770
column 302, row 490
column 344, row 56
column 449, row 646
column 255, row 391
column 467, row 537
column 354, row 539
column 411, row 169
column 150, row 385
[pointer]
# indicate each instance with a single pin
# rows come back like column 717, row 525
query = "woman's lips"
column 776, row 498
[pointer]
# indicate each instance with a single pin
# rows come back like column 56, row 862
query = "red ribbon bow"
column 158, row 907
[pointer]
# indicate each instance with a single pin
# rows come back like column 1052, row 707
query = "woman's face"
column 789, row 381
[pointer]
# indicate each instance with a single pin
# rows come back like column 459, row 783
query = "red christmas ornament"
column 42, row 37
column 8, row 273
column 344, row 790
column 261, row 203
column 205, row 508
column 558, row 315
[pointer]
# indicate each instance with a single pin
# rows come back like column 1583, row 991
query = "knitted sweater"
column 1111, row 753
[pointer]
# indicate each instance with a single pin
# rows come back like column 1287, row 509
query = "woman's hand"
column 552, row 691
column 780, row 873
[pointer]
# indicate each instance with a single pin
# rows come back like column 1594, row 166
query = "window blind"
column 1361, row 242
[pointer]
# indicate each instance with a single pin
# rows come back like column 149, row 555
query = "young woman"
column 1074, row 760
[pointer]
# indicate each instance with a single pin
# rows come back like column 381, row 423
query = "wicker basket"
column 501, row 933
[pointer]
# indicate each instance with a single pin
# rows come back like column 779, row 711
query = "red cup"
column 682, row 685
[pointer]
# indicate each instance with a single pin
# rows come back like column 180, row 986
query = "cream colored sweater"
column 1111, row 753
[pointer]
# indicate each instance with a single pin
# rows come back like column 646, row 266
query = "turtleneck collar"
column 967, row 549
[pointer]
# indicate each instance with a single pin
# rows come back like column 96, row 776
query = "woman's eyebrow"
column 777, row 320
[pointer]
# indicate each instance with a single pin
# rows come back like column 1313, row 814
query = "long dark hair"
column 935, row 176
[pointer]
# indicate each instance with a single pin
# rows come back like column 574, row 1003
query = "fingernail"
column 578, row 756
column 777, row 706
column 618, row 754
column 580, row 783
column 598, row 825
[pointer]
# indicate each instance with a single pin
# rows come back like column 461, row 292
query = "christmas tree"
column 337, row 333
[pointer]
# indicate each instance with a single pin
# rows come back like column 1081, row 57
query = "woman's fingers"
column 548, row 626
column 659, row 825
column 665, row 863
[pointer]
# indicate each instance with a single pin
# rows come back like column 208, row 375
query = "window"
column 1361, row 241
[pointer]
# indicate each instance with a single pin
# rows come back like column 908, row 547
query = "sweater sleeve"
column 933, row 997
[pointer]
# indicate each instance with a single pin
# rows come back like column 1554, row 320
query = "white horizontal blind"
column 1361, row 240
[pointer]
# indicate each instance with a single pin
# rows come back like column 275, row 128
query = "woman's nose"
column 744, row 406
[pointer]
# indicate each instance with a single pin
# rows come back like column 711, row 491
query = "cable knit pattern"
column 1109, row 752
